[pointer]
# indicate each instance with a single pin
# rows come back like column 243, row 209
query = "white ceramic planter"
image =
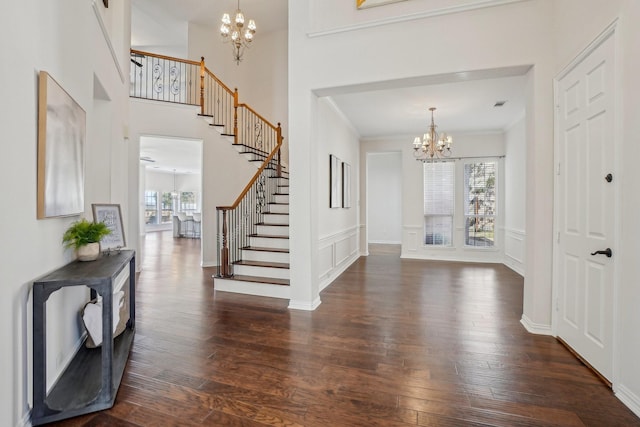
column 89, row 252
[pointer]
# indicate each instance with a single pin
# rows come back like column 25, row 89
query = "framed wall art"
column 363, row 4
column 346, row 185
column 112, row 217
column 335, row 184
column 61, row 142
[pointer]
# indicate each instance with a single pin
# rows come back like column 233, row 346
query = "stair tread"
column 276, row 213
column 263, row 264
column 257, row 279
column 281, row 194
column 271, row 224
column 263, row 249
column 278, row 203
column 205, row 115
column 269, row 236
column 217, row 125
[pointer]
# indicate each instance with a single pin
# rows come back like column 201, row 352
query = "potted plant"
column 84, row 237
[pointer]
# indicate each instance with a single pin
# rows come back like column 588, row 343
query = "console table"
column 91, row 380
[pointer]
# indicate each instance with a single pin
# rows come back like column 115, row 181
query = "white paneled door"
column 586, row 207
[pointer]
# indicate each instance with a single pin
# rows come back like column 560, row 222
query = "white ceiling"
column 462, row 106
column 184, row 156
column 464, row 101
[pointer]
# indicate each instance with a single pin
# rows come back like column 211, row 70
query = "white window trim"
column 458, row 243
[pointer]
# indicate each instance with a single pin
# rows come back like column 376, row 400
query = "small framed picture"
column 335, row 184
column 112, row 217
column 346, row 185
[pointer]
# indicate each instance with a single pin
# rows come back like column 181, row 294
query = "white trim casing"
column 626, row 396
column 107, row 39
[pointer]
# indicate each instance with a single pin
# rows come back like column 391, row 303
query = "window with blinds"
column 439, row 203
column 480, row 203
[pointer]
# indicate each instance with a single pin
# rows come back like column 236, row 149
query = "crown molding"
column 414, row 16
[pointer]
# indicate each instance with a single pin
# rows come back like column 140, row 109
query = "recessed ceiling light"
column 499, row 103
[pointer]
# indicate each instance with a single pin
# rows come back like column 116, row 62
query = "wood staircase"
column 253, row 232
column 264, row 265
column 263, row 268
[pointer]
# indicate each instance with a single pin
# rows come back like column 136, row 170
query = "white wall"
column 577, row 24
column 515, row 34
column 338, row 241
column 384, row 197
column 65, row 39
column 224, row 172
column 515, row 192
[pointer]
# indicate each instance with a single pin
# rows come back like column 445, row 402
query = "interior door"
column 586, row 217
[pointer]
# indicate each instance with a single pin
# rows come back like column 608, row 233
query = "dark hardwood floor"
column 394, row 343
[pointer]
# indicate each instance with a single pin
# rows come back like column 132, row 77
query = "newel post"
column 224, row 252
column 279, row 139
column 202, row 85
column 235, row 116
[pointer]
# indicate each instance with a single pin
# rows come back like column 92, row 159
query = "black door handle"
column 606, row 252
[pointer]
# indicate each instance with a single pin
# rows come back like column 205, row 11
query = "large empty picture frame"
column 112, row 217
column 335, row 184
column 61, row 141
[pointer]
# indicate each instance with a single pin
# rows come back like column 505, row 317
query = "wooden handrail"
column 213, row 76
column 258, row 115
column 169, row 58
column 253, row 180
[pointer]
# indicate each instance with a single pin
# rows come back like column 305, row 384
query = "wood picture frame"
column 111, row 215
column 335, row 184
column 364, row 4
column 346, row 185
column 61, row 142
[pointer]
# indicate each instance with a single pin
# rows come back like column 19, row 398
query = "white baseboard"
column 630, row 399
column 303, row 305
column 535, row 328
column 208, row 264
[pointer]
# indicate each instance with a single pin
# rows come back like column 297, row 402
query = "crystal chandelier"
column 433, row 146
column 236, row 32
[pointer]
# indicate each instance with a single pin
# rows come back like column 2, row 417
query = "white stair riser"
column 218, row 129
column 252, row 270
column 249, row 255
column 272, row 230
column 228, row 138
column 283, row 190
column 281, row 198
column 276, row 219
column 249, row 288
column 275, row 208
column 207, row 119
column 265, row 242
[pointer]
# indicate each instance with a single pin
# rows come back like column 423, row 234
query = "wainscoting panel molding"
column 336, row 253
column 514, row 249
